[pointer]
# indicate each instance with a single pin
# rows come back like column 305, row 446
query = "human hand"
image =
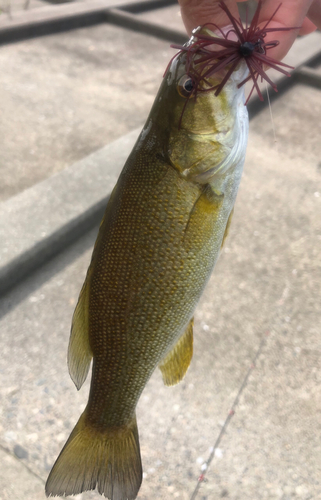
column 305, row 14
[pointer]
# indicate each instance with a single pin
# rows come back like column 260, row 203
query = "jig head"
column 207, row 55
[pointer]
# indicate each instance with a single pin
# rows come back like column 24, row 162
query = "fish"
column 165, row 223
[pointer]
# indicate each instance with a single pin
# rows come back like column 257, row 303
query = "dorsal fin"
column 79, row 351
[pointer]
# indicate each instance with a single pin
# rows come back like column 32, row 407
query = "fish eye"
column 185, row 86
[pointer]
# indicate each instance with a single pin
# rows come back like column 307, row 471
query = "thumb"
column 198, row 12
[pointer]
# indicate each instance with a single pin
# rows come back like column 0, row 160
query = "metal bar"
column 53, row 19
column 130, row 21
column 57, row 241
column 308, row 76
column 144, row 6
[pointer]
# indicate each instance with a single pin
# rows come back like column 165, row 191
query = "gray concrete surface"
column 27, row 486
column 170, row 17
column 64, row 96
column 13, row 8
column 9, row 7
column 37, row 222
column 42, row 220
column 268, row 278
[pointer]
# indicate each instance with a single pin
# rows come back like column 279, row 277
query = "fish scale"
column 161, row 235
column 138, row 275
column 143, row 313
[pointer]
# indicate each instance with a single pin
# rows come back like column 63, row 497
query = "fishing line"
column 230, row 414
column 205, row 466
column 270, row 109
column 21, row 462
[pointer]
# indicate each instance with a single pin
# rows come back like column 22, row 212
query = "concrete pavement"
column 65, row 96
column 267, row 279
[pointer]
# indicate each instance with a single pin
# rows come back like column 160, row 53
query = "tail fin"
column 108, row 460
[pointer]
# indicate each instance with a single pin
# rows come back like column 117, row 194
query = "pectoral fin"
column 79, row 352
column 203, row 218
column 229, row 220
column 174, row 366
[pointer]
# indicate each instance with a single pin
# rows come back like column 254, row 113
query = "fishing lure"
column 207, row 55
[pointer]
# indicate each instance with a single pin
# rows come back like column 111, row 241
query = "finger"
column 291, row 14
column 198, row 12
column 314, row 13
column 307, row 27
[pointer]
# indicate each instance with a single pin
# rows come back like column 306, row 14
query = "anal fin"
column 174, row 366
column 79, row 351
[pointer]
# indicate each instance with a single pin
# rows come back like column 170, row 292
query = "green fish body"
column 161, row 235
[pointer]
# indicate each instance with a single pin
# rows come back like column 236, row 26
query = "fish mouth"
column 241, row 71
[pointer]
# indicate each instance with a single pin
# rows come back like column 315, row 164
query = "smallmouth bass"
column 159, row 240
